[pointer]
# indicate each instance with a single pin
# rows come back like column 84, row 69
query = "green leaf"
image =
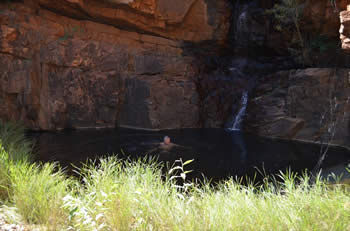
column 175, row 168
column 188, row 162
column 72, row 212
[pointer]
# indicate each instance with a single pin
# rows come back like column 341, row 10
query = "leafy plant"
column 288, row 14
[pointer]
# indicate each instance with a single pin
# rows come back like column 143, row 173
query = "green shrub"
column 288, row 15
column 289, row 12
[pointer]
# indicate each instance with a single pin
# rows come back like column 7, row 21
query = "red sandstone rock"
column 181, row 20
column 89, row 63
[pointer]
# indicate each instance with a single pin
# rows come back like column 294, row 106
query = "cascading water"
column 239, row 117
column 237, row 136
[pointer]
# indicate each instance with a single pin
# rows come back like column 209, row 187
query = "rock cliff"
column 94, row 63
column 302, row 104
column 158, row 64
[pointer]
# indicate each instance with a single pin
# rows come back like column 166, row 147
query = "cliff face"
column 259, row 50
column 302, row 104
column 308, row 104
column 160, row 64
column 94, row 63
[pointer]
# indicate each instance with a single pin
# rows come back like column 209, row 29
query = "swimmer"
column 166, row 140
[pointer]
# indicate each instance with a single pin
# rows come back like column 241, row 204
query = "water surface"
column 217, row 154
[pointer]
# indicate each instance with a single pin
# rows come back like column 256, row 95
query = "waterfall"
column 239, row 117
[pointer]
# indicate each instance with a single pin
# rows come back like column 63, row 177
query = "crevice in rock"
column 15, row 55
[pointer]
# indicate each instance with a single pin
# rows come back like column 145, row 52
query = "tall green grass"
column 15, row 149
column 4, row 174
column 132, row 196
column 136, row 195
column 36, row 190
column 13, row 140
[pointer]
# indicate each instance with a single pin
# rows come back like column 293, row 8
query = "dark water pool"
column 218, row 154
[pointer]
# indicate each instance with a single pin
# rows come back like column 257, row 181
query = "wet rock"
column 291, row 105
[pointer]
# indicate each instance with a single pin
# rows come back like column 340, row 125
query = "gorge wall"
column 304, row 104
column 92, row 63
column 309, row 104
column 160, row 64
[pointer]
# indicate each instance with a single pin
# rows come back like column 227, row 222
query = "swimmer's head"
column 167, row 140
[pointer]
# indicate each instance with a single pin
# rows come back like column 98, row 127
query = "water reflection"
column 238, row 140
column 217, row 153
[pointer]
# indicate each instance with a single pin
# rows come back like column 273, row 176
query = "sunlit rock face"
column 345, row 30
column 188, row 20
column 75, row 63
